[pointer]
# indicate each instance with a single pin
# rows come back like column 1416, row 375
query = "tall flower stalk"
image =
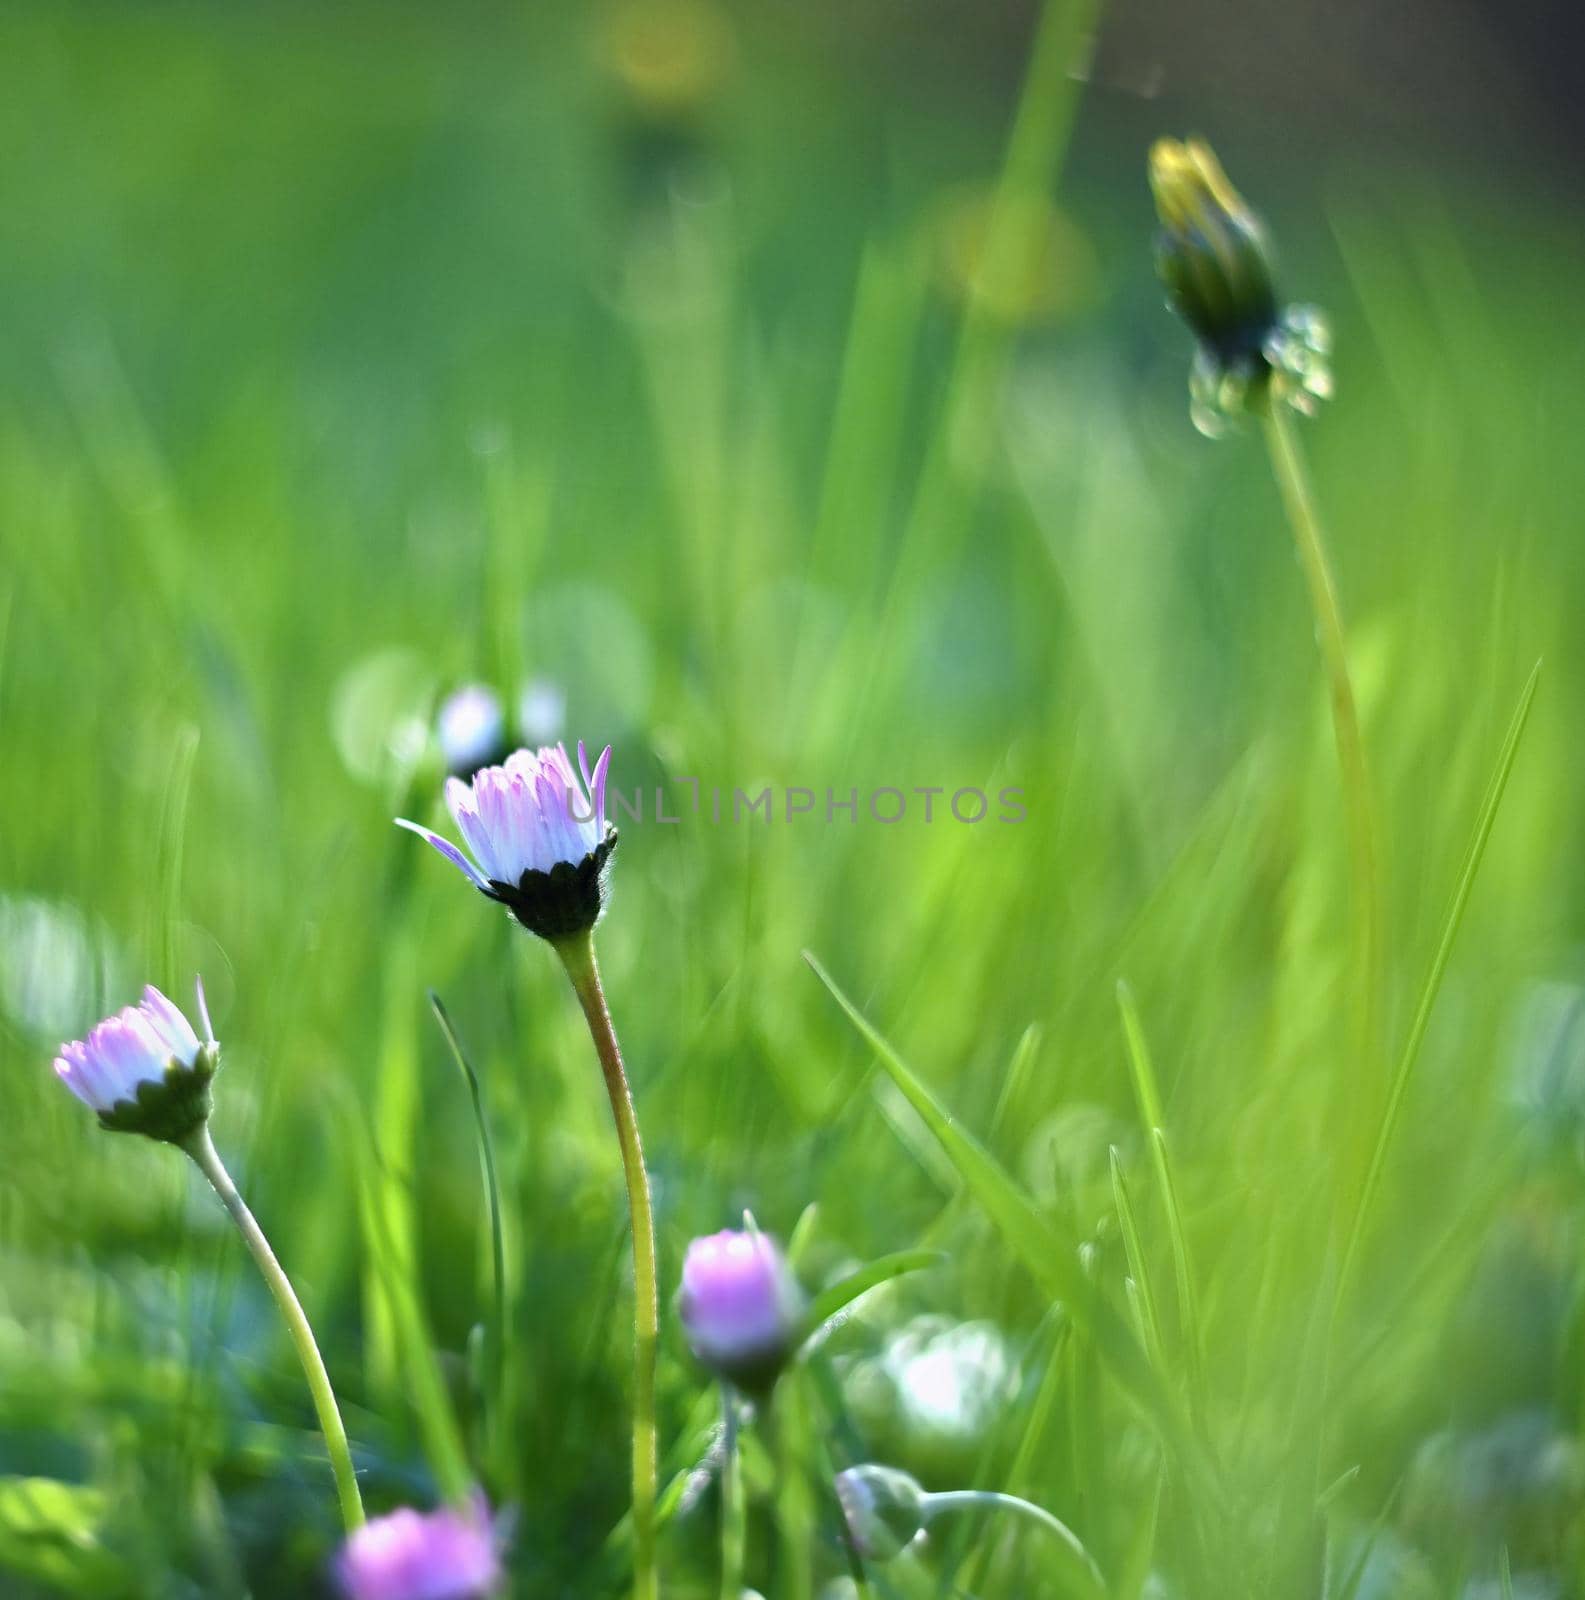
column 538, row 844
column 734, row 1509
column 1298, row 499
column 201, row 1148
column 1255, row 355
column 578, row 958
column 146, row 1071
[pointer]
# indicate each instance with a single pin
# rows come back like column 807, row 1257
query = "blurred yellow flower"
column 669, row 56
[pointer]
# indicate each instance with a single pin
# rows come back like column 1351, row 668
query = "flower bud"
column 1212, row 252
column 884, row 1510
column 1214, row 257
column 144, row 1070
column 741, row 1307
column 538, row 838
column 444, row 1555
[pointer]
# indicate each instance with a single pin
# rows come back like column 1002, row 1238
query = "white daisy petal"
column 528, row 815
column 135, row 1046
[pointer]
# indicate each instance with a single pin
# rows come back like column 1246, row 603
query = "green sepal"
column 173, row 1107
column 754, row 1371
column 564, row 902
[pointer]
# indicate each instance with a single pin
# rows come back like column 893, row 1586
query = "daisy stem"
column 965, row 1499
column 1298, row 498
column 207, row 1159
column 734, row 1522
column 577, row 955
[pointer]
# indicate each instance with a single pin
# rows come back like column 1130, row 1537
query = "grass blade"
column 1149, row 1094
column 882, row 1270
column 1139, row 1558
column 1050, row 1260
column 974, row 1555
column 499, row 1331
column 1031, row 1237
column 1422, row 1017
column 1025, row 1055
column 1139, row 1274
column 945, row 492
column 173, row 838
column 425, row 1382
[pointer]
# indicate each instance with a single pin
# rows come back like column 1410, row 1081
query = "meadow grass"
column 348, row 360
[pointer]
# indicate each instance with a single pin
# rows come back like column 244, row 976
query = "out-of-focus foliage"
column 349, row 354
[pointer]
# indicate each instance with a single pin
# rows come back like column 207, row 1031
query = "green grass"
column 347, row 357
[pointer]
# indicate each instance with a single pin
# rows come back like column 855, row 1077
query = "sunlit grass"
column 336, row 375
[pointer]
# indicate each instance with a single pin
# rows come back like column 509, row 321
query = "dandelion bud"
column 471, row 729
column 538, row 838
column 1216, row 262
column 741, row 1307
column 445, row 1555
column 144, row 1070
column 1212, row 253
column 884, row 1509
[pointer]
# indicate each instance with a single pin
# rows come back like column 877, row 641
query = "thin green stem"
column 207, row 1159
column 497, row 1340
column 968, row 1499
column 734, row 1513
column 788, row 1423
column 1298, row 498
column 577, row 955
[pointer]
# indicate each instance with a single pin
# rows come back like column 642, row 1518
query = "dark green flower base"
column 754, row 1372
column 563, row 902
column 173, row 1108
column 1224, row 294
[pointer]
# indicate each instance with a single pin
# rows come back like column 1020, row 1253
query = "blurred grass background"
column 652, row 356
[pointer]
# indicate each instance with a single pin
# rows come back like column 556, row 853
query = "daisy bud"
column 1216, row 262
column 144, row 1070
column 741, row 1307
column 471, row 729
column 446, row 1555
column 538, row 838
column 884, row 1509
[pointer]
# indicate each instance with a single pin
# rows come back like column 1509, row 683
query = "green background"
column 351, row 353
